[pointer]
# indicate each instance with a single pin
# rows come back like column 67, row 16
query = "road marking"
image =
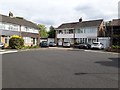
column 100, row 52
column 2, row 50
column 5, row 52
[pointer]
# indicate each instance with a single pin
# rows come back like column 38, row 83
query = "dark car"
column 52, row 44
column 84, row 46
column 44, row 44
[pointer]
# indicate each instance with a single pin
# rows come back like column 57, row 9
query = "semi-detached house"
column 10, row 25
column 115, row 32
column 80, row 32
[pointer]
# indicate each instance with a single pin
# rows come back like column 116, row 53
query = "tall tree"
column 42, row 31
column 51, row 33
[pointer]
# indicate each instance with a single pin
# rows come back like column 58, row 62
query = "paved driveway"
column 60, row 69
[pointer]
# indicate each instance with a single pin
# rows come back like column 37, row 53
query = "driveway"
column 60, row 69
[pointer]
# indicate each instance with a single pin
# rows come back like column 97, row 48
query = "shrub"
column 16, row 42
column 116, row 47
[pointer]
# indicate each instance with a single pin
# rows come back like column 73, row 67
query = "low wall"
column 113, row 50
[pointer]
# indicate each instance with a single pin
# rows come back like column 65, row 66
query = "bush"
column 16, row 42
column 116, row 47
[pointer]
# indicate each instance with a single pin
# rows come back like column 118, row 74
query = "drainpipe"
column 74, row 37
column 56, row 37
column 38, row 42
column 20, row 32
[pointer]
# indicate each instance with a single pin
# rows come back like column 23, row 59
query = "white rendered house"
column 80, row 32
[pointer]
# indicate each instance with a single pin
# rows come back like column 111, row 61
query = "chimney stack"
column 10, row 14
column 80, row 20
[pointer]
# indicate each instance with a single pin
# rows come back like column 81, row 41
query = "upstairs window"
column 2, row 26
column 60, row 32
column 10, row 27
column 71, row 31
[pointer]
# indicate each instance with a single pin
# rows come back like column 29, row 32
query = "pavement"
column 48, row 68
column 5, row 51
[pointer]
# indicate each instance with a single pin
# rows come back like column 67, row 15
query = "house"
column 10, row 25
column 80, row 32
column 65, row 32
column 115, row 32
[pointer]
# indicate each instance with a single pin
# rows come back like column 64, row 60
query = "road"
column 60, row 69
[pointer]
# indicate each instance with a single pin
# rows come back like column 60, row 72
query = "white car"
column 66, row 44
column 97, row 45
column 1, row 45
column 52, row 44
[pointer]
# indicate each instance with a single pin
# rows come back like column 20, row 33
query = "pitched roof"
column 115, row 22
column 17, row 21
column 81, row 24
column 67, row 25
column 89, row 23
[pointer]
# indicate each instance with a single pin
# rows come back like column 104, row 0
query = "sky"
column 56, row 12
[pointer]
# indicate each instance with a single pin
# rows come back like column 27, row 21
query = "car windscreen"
column 95, row 43
column 66, row 42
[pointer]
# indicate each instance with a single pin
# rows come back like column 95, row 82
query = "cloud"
column 55, row 12
column 45, row 22
column 91, row 11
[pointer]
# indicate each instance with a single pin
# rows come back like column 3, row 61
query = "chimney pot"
column 80, row 20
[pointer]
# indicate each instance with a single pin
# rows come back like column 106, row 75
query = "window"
column 2, row 26
column 78, row 30
column 91, row 30
column 71, row 31
column 15, row 27
column 5, row 40
column 81, row 31
column 64, row 31
column 67, row 31
column 34, row 41
column 60, row 32
column 27, row 39
column 27, row 29
column 10, row 27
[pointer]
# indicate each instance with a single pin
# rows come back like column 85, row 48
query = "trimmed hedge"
column 16, row 42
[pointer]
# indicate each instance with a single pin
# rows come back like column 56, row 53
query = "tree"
column 51, row 33
column 42, row 31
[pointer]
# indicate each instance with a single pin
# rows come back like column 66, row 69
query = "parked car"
column 44, row 44
column 52, row 44
column 66, row 44
column 97, row 45
column 84, row 46
column 2, row 46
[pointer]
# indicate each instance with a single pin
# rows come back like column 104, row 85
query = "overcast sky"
column 55, row 12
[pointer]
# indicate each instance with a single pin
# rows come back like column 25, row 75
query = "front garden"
column 114, row 48
column 17, row 42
